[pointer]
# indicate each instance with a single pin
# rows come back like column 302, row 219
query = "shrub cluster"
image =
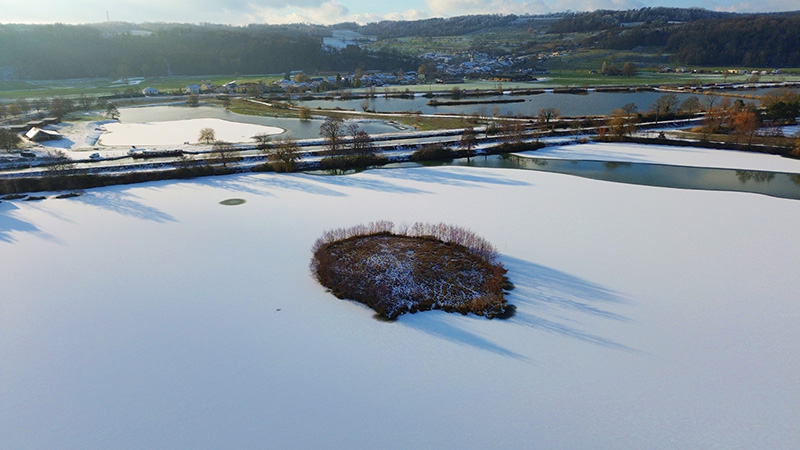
column 449, row 234
column 351, row 162
column 410, row 268
column 432, row 152
column 87, row 181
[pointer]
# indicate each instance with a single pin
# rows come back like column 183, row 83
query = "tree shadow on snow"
column 451, row 176
column 369, row 183
column 123, row 202
column 266, row 184
column 545, row 299
column 557, row 302
column 9, row 225
column 451, row 326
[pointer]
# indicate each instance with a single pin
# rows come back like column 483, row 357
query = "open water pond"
column 591, row 103
column 776, row 184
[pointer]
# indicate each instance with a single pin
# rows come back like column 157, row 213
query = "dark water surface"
column 775, row 184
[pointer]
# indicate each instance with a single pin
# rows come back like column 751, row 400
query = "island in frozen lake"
column 398, row 270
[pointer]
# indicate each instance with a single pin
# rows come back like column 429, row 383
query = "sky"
column 243, row 12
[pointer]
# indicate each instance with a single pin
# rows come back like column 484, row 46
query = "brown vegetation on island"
column 399, row 269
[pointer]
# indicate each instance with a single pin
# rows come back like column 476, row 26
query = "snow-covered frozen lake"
column 151, row 316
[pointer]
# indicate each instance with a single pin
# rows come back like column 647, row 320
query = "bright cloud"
column 319, row 12
column 449, row 8
column 242, row 12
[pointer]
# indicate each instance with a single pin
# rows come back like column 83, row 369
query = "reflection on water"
column 775, row 184
column 611, row 165
column 751, row 175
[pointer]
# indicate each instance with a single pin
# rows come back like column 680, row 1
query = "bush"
column 351, row 162
column 433, row 152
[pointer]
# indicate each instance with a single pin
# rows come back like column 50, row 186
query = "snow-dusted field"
column 151, row 316
column 178, row 132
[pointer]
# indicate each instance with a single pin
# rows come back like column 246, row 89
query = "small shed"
column 39, row 134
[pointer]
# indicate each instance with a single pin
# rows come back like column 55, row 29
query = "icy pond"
column 165, row 119
column 777, row 184
column 152, row 316
column 589, row 103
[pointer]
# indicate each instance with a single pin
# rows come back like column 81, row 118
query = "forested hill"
column 691, row 36
column 604, row 19
column 124, row 50
column 453, row 26
column 758, row 40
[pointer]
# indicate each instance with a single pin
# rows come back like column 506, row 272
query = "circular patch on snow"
column 233, row 202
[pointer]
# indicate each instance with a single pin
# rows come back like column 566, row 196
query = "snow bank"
column 151, row 316
column 669, row 155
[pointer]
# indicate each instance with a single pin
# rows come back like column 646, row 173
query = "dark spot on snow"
column 233, row 202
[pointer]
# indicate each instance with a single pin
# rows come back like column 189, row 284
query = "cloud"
column 242, row 12
column 755, row 6
column 449, row 8
column 411, row 14
column 316, row 12
column 328, row 12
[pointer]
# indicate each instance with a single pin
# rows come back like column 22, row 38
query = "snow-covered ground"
column 179, row 132
column 668, row 155
column 77, row 136
column 111, row 138
column 151, row 316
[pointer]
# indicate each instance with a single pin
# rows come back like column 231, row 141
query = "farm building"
column 39, row 134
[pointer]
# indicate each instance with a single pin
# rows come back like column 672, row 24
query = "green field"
column 33, row 89
column 13, row 89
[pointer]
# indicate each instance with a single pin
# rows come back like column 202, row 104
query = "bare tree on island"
column 224, row 153
column 332, row 130
column 303, row 113
column 664, row 106
column 362, row 145
column 56, row 175
column 262, row 140
column 468, row 140
column 9, row 140
column 207, row 134
column 111, row 111
column 285, row 155
column 547, row 114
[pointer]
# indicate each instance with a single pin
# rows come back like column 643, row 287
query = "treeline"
column 87, row 51
column 763, row 40
column 453, row 26
column 755, row 41
column 605, row 19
